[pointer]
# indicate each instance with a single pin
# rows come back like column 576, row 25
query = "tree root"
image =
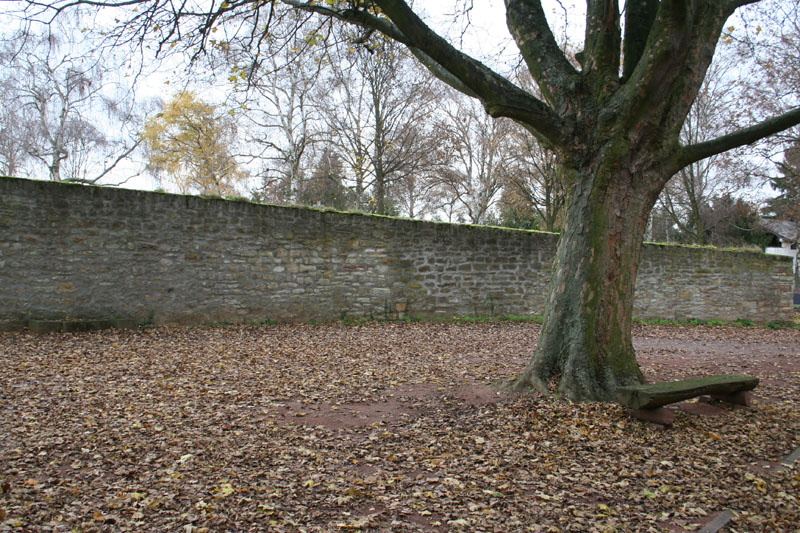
column 523, row 384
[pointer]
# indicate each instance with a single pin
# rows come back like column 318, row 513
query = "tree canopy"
column 190, row 142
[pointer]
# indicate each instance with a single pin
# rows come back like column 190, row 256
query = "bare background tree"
column 377, row 107
column 277, row 112
column 535, row 194
column 479, row 149
column 16, row 132
column 688, row 197
column 65, row 109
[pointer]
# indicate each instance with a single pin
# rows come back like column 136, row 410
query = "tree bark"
column 585, row 343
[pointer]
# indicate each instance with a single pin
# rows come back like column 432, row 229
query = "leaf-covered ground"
column 384, row 427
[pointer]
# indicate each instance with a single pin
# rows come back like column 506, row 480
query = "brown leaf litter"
column 383, row 427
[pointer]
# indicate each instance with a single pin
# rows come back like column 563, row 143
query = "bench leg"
column 737, row 398
column 659, row 415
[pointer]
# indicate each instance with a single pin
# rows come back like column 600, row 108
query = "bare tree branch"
column 544, row 58
column 696, row 152
column 500, row 97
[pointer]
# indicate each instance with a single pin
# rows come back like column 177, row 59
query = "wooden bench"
column 646, row 402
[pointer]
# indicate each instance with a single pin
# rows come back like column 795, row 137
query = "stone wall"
column 70, row 251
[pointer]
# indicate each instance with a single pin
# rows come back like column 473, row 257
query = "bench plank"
column 653, row 395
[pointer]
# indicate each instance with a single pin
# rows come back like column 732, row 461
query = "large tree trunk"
column 585, row 347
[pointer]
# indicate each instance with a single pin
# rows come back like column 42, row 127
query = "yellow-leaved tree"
column 190, row 143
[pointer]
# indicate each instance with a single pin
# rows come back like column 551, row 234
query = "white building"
column 788, row 234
